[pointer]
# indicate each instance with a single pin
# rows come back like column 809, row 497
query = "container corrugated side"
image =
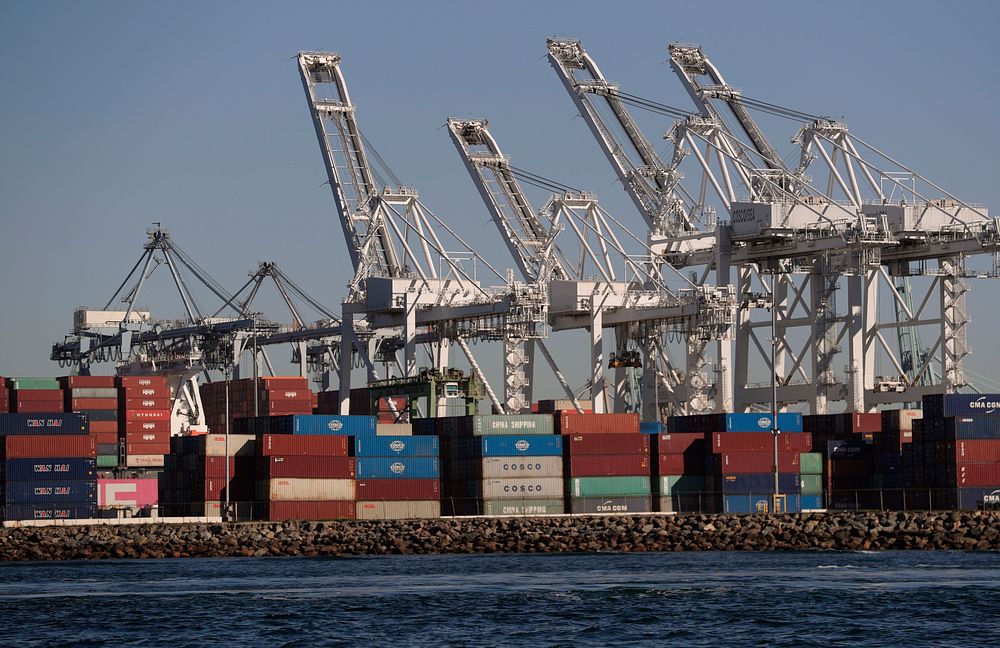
column 757, row 483
column 607, row 465
column 760, row 442
column 503, row 467
column 811, row 463
column 134, row 493
column 523, row 506
column 144, row 461
column 674, row 442
column 544, row 487
column 734, row 463
column 398, row 489
column 350, row 425
column 93, row 392
column 397, row 446
column 318, row 445
column 978, row 475
column 325, row 510
column 615, row 504
column 63, row 511
column 977, row 450
column 575, row 423
column 511, row 424
column 51, row 491
column 215, row 445
column 398, row 468
column 22, row 424
column 292, row 489
column 597, row 443
column 61, row 468
column 306, row 466
column 749, row 422
column 757, row 503
column 48, row 446
column 608, row 486
column 415, row 509
column 393, row 429
column 673, row 484
column 811, row 484
column 509, row 445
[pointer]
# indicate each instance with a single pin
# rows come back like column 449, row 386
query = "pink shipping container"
column 134, row 493
column 575, row 423
column 760, row 442
column 740, row 463
column 615, row 465
column 602, row 444
column 44, row 446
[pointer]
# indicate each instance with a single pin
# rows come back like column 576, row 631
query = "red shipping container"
column 741, row 463
column 145, row 403
column 395, row 490
column 148, row 391
column 977, row 451
column 103, row 438
column 288, row 394
column 299, row 406
column 672, row 442
column 306, row 467
column 37, row 394
column 148, row 436
column 45, row 446
column 99, row 427
column 569, row 422
column 864, row 422
column 983, row 475
column 612, row 465
column 333, row 510
column 142, row 381
column 215, row 467
column 78, row 404
column 37, row 406
column 303, row 444
column 147, row 448
column 760, row 442
column 147, row 415
column 147, row 426
column 240, row 488
column 600, row 444
column 680, row 464
column 283, row 382
column 87, row 382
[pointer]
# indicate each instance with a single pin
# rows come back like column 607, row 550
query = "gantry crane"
column 403, row 277
column 640, row 311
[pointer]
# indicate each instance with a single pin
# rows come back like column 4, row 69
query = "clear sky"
column 119, row 114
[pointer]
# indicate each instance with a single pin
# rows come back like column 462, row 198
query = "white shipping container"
column 94, row 392
column 397, row 510
column 144, row 461
column 239, row 445
column 393, row 429
column 291, row 489
column 505, row 467
column 523, row 487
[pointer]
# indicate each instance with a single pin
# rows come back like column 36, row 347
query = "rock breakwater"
column 625, row 533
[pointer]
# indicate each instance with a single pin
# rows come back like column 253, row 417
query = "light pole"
column 775, row 431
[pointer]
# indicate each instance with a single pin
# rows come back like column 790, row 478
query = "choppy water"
column 712, row 599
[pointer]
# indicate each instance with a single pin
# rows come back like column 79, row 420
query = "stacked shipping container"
column 267, row 396
column 605, row 462
column 305, row 477
column 144, row 406
column 679, row 465
column 398, row 476
column 194, row 481
column 48, row 468
column 35, row 395
column 96, row 397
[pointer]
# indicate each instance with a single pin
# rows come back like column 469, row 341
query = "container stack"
column 398, row 477
column 742, row 461
column 144, row 406
column 811, row 481
column 267, row 396
column 48, row 468
column 4, row 396
column 35, row 395
column 679, row 461
column 96, row 397
column 494, row 463
column 305, row 477
column 194, row 481
column 605, row 463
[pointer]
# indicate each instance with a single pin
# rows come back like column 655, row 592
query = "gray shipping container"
column 94, row 392
column 545, row 487
column 398, row 510
column 285, row 489
column 509, row 467
column 593, row 505
column 394, row 429
column 524, row 506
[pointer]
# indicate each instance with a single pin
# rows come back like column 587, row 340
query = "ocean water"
column 709, row 599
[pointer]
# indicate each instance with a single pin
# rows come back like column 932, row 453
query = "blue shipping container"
column 510, row 445
column 757, row 503
column 63, row 511
column 397, row 468
column 976, row 499
column 787, row 422
column 759, row 483
column 651, row 427
column 17, row 424
column 100, row 415
column 974, row 427
column 32, row 469
column 396, row 446
column 350, row 425
column 51, row 491
column 972, row 405
column 811, row 502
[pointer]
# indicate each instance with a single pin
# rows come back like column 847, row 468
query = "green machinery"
column 429, row 394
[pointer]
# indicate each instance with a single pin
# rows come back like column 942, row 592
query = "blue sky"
column 119, row 114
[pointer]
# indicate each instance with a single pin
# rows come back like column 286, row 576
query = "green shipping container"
column 811, row 463
column 673, row 484
column 607, row 486
column 107, row 461
column 513, row 424
column 811, row 484
column 33, row 383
